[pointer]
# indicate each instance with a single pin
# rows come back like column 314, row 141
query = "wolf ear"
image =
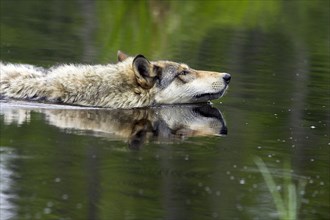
column 144, row 73
column 121, row 56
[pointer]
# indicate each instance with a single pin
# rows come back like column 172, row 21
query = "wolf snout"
column 227, row 78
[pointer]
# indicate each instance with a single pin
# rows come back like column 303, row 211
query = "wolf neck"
column 116, row 89
column 121, row 90
column 111, row 92
column 126, row 100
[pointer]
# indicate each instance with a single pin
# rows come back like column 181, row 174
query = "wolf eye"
column 184, row 72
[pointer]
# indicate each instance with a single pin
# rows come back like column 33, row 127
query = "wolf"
column 133, row 82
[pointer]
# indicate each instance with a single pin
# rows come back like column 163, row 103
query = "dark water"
column 62, row 162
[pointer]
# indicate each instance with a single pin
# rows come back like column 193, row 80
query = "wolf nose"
column 227, row 78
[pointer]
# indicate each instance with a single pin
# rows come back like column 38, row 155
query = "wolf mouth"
column 210, row 96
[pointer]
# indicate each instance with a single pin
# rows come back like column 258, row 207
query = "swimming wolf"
column 133, row 82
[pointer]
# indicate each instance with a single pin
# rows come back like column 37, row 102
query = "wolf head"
column 172, row 82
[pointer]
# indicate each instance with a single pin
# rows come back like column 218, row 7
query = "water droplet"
column 208, row 189
column 65, row 196
column 239, row 207
column 47, row 210
column 313, row 127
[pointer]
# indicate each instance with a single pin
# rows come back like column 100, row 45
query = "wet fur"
column 131, row 83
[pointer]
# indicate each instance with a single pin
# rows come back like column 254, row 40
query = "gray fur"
column 131, row 83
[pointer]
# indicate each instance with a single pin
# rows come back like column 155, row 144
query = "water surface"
column 177, row 162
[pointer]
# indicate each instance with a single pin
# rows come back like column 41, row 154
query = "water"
column 177, row 162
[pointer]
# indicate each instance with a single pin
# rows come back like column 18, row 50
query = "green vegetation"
column 288, row 204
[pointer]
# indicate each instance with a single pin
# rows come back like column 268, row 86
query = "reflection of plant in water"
column 289, row 203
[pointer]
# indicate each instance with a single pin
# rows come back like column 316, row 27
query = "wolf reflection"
column 136, row 126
